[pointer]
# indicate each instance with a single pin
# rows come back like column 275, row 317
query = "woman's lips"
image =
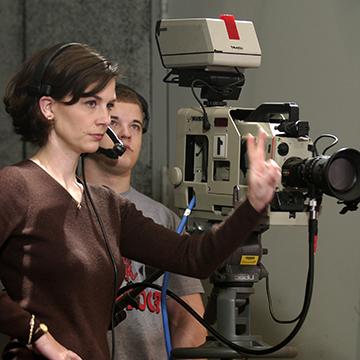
column 97, row 137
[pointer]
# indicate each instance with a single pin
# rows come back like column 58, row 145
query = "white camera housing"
column 197, row 43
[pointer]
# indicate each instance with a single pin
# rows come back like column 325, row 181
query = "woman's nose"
column 104, row 117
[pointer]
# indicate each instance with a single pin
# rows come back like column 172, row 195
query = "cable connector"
column 349, row 206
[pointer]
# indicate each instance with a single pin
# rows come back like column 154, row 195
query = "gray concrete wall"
column 117, row 29
column 11, row 43
column 10, row 56
column 311, row 55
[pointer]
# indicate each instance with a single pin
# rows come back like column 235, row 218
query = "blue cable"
column 164, row 314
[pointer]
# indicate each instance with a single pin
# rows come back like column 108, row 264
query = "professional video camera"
column 210, row 150
column 211, row 161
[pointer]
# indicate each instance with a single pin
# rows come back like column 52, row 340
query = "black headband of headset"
column 38, row 88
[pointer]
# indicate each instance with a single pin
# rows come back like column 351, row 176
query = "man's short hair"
column 127, row 94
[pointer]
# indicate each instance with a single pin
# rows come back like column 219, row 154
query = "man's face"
column 127, row 122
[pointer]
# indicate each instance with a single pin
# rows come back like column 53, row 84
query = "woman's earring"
column 51, row 120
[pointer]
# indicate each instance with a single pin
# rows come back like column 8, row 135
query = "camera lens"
column 341, row 175
column 336, row 175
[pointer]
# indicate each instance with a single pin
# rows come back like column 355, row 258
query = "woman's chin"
column 89, row 149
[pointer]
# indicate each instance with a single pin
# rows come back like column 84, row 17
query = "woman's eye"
column 91, row 103
column 110, row 106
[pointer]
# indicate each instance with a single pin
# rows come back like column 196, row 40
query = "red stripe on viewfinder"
column 230, row 26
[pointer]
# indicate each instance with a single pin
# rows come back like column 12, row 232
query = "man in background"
column 140, row 336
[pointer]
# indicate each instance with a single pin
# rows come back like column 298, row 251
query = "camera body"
column 211, row 161
column 212, row 164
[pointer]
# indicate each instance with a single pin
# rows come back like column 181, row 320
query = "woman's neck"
column 62, row 168
column 58, row 164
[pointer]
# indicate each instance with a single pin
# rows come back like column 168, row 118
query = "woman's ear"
column 46, row 106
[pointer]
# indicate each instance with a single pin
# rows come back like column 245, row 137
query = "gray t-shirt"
column 140, row 336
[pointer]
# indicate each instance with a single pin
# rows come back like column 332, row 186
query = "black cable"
column 226, row 90
column 271, row 310
column 330, row 146
column 206, row 123
column 307, row 292
column 116, row 276
column 220, row 337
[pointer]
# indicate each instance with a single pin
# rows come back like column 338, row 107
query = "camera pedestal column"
column 229, row 307
column 233, row 322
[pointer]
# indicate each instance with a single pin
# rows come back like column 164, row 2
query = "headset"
column 111, row 153
column 38, row 88
column 143, row 103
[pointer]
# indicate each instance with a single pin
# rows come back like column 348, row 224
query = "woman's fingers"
column 256, row 150
column 72, row 356
column 260, row 149
column 274, row 172
column 250, row 144
column 264, row 176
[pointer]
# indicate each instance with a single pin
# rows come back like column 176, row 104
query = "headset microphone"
column 118, row 148
column 125, row 92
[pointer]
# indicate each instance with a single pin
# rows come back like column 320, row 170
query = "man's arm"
column 186, row 331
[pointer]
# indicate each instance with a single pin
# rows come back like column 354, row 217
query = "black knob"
column 283, row 149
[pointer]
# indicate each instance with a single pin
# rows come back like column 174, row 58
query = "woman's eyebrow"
column 97, row 97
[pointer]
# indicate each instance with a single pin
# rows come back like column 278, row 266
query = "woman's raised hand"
column 263, row 176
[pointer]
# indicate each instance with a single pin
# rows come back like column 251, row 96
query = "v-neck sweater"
column 54, row 263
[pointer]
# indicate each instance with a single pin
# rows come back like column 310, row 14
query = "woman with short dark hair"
column 60, row 260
